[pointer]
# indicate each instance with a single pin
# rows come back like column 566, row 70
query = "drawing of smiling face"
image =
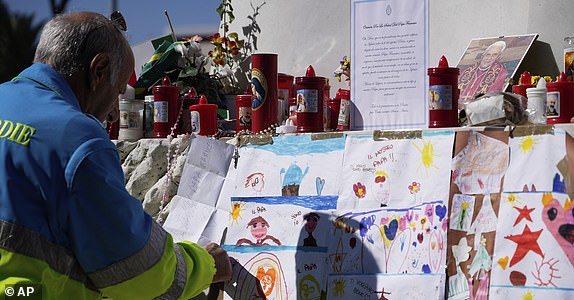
column 258, row 227
column 381, row 187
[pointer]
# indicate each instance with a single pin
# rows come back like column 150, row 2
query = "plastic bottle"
column 131, row 116
column 537, row 103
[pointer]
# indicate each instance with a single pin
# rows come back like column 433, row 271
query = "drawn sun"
column 236, row 209
column 528, row 296
column 527, row 144
column 339, row 287
column 512, row 199
column 427, row 155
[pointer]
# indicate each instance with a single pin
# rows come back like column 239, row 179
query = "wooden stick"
column 171, row 27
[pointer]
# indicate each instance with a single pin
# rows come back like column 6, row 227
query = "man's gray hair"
column 68, row 44
column 498, row 44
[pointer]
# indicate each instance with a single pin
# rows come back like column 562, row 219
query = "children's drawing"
column 532, row 248
column 458, row 284
column 546, row 272
column 414, row 188
column 236, row 209
column 523, row 214
column 311, row 220
column 559, row 221
column 480, row 166
column 291, row 179
column 320, row 183
column 461, row 212
column 385, row 286
column 461, row 252
column 534, row 161
column 267, row 269
column 289, row 166
column 378, row 173
column 382, row 187
column 486, row 219
column 360, row 190
column 482, row 291
column 390, row 240
column 525, row 242
column 309, row 288
column 255, row 181
column 282, row 231
column 258, row 228
column 458, row 288
column 481, row 261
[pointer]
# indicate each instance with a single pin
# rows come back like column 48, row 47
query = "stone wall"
column 145, row 167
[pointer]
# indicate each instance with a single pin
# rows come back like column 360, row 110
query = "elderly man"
column 66, row 221
column 487, row 75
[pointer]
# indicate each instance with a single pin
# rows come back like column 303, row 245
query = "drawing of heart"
column 560, row 222
column 319, row 183
column 391, row 230
column 503, row 262
column 420, row 237
column 440, row 211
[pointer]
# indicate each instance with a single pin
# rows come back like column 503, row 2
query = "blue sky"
column 145, row 18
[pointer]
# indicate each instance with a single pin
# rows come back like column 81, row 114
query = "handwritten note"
column 205, row 169
column 187, row 219
column 388, row 49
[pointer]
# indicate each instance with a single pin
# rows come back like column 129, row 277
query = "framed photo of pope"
column 488, row 64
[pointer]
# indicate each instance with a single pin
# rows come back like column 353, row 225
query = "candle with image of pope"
column 264, row 91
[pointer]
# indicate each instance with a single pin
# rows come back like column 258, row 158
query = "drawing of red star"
column 524, row 213
column 527, row 241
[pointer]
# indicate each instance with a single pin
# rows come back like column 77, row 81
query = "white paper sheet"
column 205, row 169
column 533, row 253
column 396, row 173
column 193, row 209
column 389, row 61
column 384, row 286
column 291, row 166
column 533, row 162
column 187, row 219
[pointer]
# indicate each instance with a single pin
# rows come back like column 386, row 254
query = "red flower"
column 360, row 190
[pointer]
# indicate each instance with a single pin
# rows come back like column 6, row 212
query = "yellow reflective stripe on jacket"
column 140, row 262
column 170, row 275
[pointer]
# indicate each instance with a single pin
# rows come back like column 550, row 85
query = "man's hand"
column 222, row 265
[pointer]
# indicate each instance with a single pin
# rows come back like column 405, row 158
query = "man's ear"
column 99, row 70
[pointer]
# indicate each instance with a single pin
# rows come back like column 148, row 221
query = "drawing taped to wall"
column 290, row 166
column 534, row 248
column 400, row 241
column 478, row 168
column 400, row 171
column 282, row 242
column 541, row 154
